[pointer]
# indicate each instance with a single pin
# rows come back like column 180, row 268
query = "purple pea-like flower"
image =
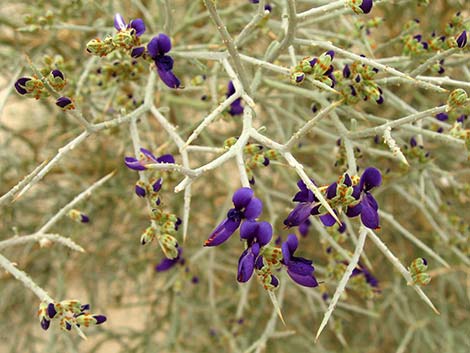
column 57, row 73
column 84, row 218
column 99, row 319
column 137, row 52
column 442, row 116
column 366, row 6
column 302, row 211
column 64, row 103
column 45, row 323
column 246, row 263
column 167, row 264
column 147, row 158
column 157, row 48
column 370, row 279
column 236, row 107
column 138, row 24
column 246, row 207
column 20, row 85
column 298, row 268
column 462, row 39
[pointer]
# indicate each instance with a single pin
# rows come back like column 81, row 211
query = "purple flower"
column 302, row 211
column 157, row 48
column 236, row 107
column 146, row 157
column 138, row 25
column 462, row 39
column 370, row 279
column 246, row 263
column 298, row 268
column 99, row 319
column 246, row 207
column 65, row 103
column 137, row 52
column 305, row 227
column 367, row 206
column 57, row 73
column 20, row 85
column 166, row 263
column 442, row 117
column 366, row 6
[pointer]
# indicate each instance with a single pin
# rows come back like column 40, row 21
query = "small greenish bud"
column 148, row 235
column 86, row 320
column 68, row 305
column 252, row 148
column 418, row 265
column 457, row 98
column 266, row 278
column 421, row 279
column 323, row 63
column 297, row 77
column 272, row 256
column 124, row 39
column 272, row 155
column 169, row 245
column 307, row 64
column 260, row 160
column 99, row 47
column 230, row 142
column 198, row 80
column 56, row 79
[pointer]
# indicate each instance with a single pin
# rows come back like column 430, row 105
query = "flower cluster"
column 51, row 82
column 163, row 225
column 319, row 69
column 418, row 268
column 257, row 156
column 348, row 193
column 356, row 82
column 416, row 152
column 128, row 39
column 260, row 255
column 69, row 313
column 455, row 36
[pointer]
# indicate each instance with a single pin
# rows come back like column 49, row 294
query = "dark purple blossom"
column 302, row 211
column 138, row 24
column 298, row 268
column 147, row 158
column 236, row 107
column 246, row 263
column 246, row 207
column 157, row 48
column 370, row 279
column 64, row 103
column 57, row 73
column 442, row 117
column 462, row 39
column 137, row 52
column 20, row 85
column 366, row 6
